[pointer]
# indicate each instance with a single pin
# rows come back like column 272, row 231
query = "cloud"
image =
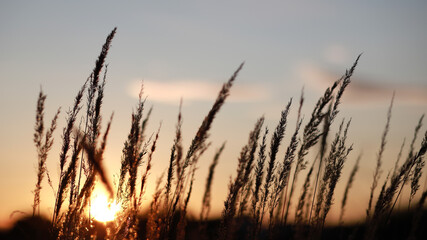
column 195, row 90
column 362, row 91
column 336, row 54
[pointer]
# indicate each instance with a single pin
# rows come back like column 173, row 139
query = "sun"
column 102, row 209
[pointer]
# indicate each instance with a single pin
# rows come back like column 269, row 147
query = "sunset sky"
column 187, row 49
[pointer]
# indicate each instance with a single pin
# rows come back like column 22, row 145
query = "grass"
column 258, row 204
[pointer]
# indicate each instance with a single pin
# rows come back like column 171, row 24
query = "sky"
column 187, row 49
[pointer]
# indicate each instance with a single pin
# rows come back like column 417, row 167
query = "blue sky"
column 187, row 49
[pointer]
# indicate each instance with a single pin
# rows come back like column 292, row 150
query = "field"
column 264, row 200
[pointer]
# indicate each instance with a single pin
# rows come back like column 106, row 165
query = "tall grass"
column 258, row 203
column 348, row 186
column 43, row 142
column 378, row 171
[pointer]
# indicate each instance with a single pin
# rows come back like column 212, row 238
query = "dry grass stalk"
column 95, row 117
column 407, row 166
column 190, row 179
column 259, row 173
column 336, row 163
column 74, row 217
column 419, row 165
column 181, row 223
column 203, row 132
column 199, row 141
column 236, row 186
column 276, row 176
column 399, row 178
column 74, row 164
column 66, row 179
column 416, row 175
column 247, row 185
column 288, row 161
column 312, row 133
column 66, row 133
column 348, row 186
column 299, row 213
column 328, row 120
column 399, row 156
column 378, row 171
column 95, row 157
column 310, row 137
column 155, row 222
column 93, row 106
column 43, row 142
column 175, row 161
column 66, row 176
column 414, row 138
column 337, row 150
column 416, row 172
column 148, row 166
column 175, row 158
column 283, row 174
column 132, row 154
column 204, row 212
column 135, row 148
column 303, row 202
column 384, row 202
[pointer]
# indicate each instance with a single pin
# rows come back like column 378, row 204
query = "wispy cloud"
column 195, row 90
column 336, row 54
column 363, row 90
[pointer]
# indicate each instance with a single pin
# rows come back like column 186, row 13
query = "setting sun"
column 102, row 209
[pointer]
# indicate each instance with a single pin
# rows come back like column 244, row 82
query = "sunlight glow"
column 102, row 209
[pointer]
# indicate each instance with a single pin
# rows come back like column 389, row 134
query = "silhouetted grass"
column 258, row 203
